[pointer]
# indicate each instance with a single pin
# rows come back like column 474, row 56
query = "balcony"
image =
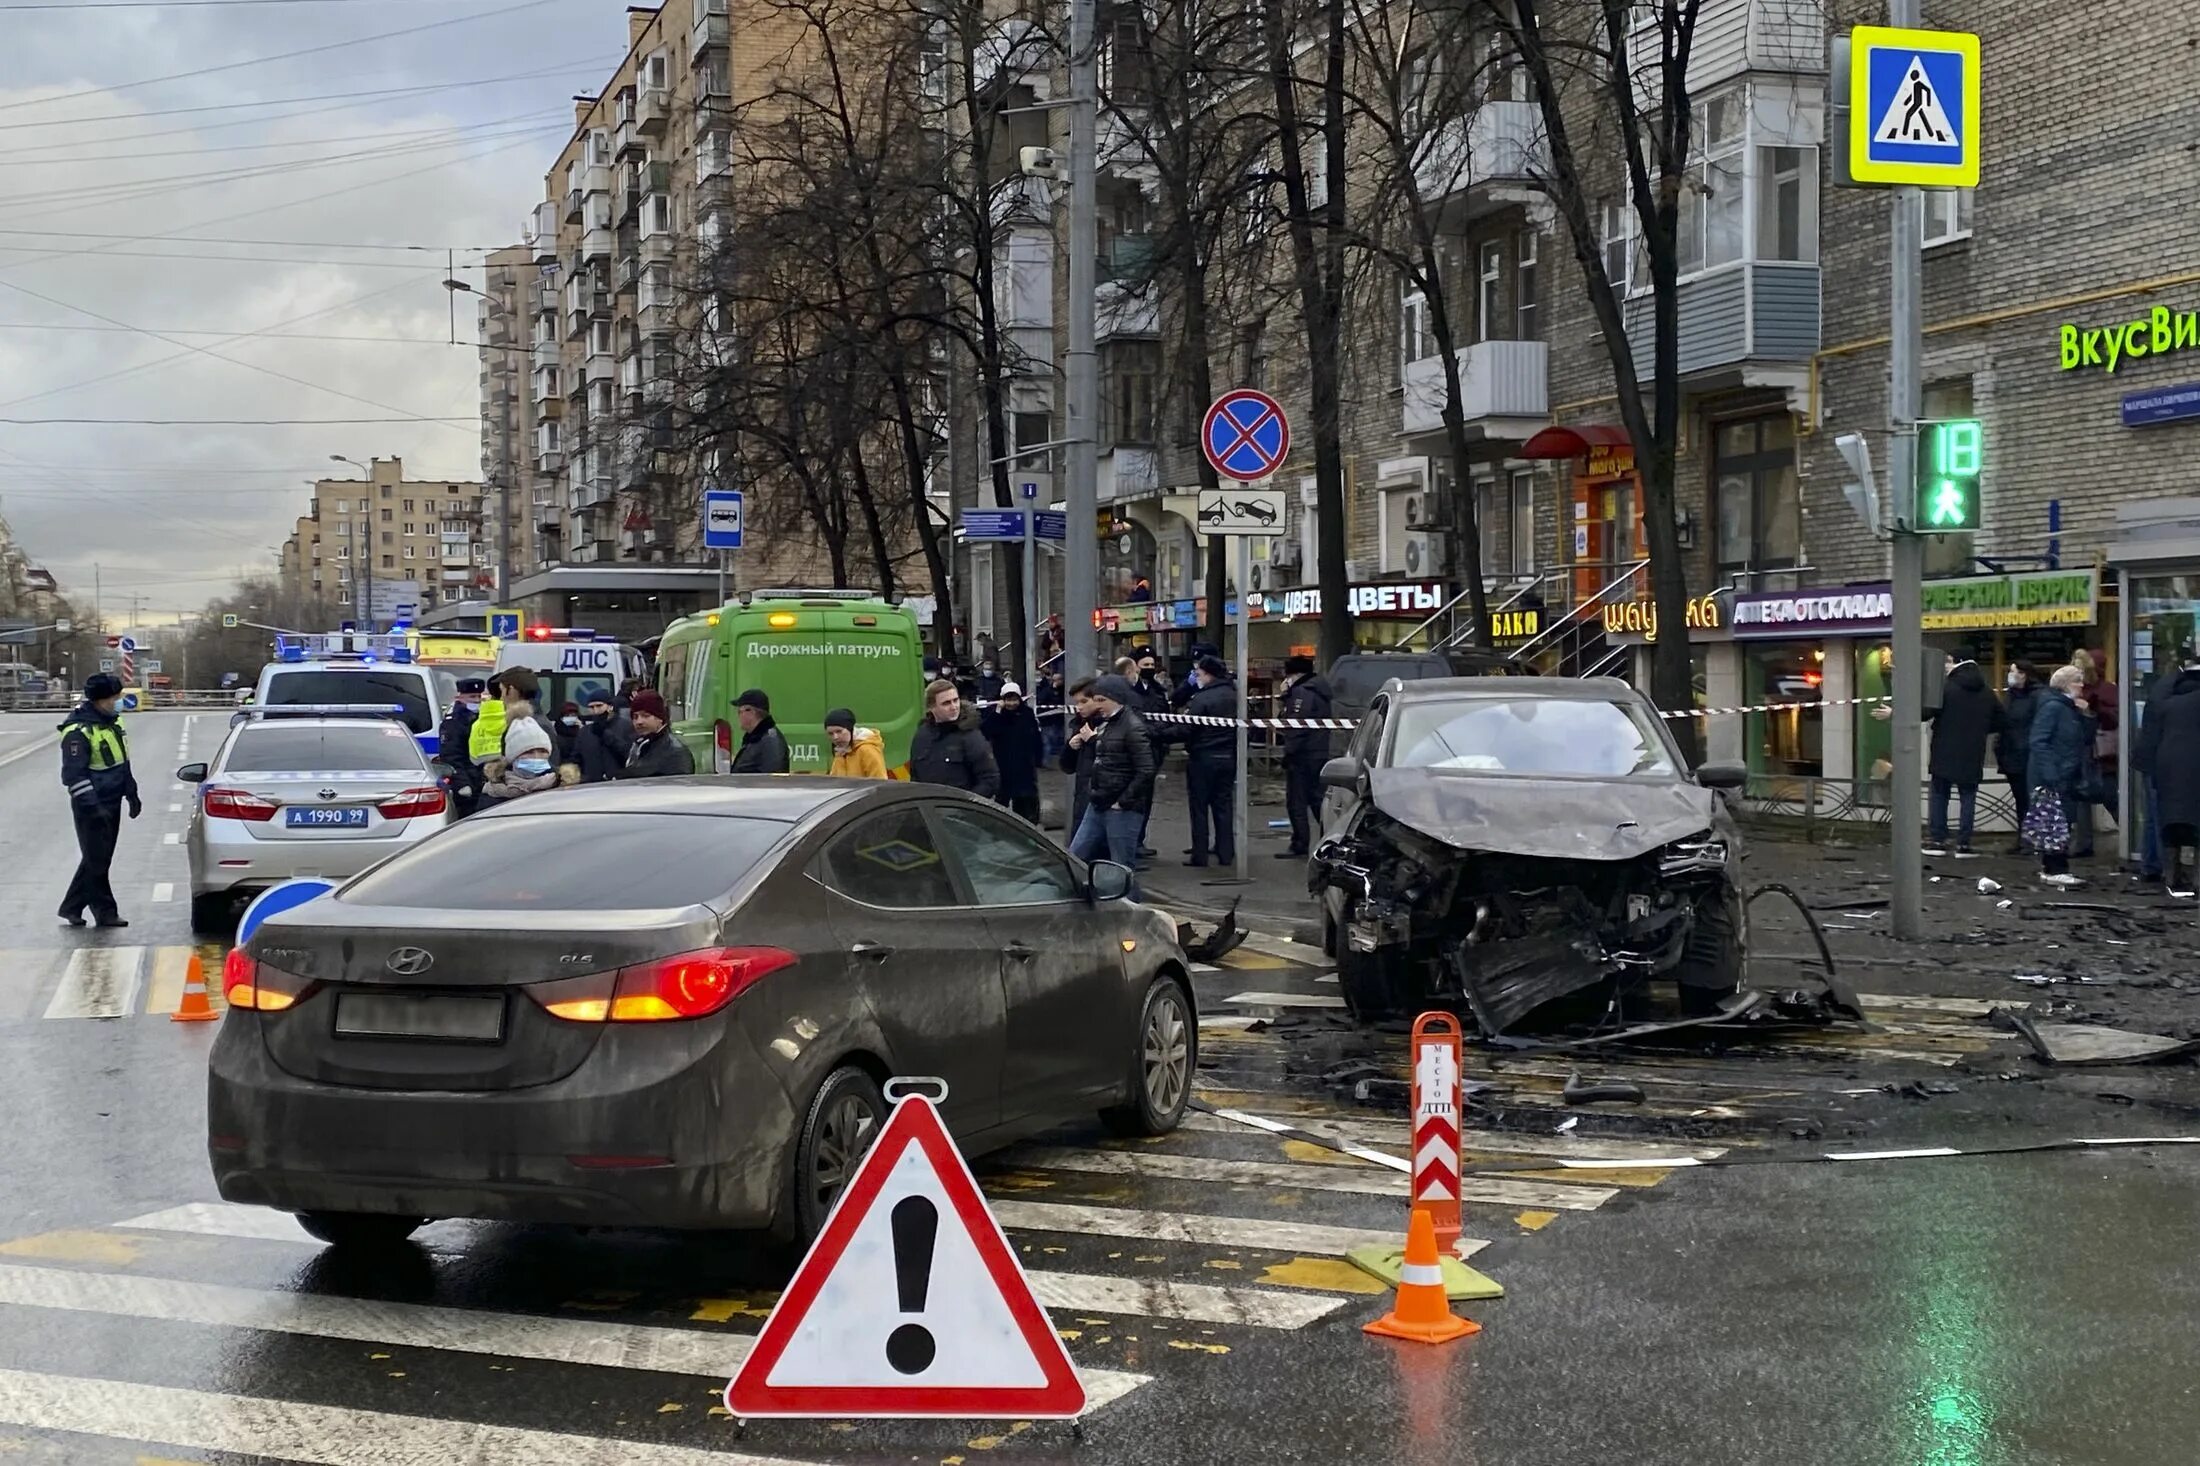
column 1504, row 391
column 575, row 201
column 542, row 232
column 652, row 110
column 596, row 244
column 549, row 461
column 1749, row 324
column 657, row 318
column 1487, row 158
column 655, row 249
column 710, row 29
column 599, row 366
column 1118, row 312
column 596, row 179
column 628, row 144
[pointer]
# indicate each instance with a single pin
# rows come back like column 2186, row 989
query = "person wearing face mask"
column 2012, row 748
column 1967, row 716
column 657, row 752
column 566, row 734
column 453, row 742
column 527, row 764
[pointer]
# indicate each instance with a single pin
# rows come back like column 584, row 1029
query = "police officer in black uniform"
column 95, row 769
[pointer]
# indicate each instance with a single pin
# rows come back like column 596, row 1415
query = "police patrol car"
column 337, row 669
column 574, row 665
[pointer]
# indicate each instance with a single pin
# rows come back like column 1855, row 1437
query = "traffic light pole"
column 1903, row 400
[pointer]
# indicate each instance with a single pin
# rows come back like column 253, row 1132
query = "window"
column 388, row 538
column 657, row 215
column 1709, row 231
column 1947, row 215
column 1626, row 258
column 1523, row 523
column 308, row 687
column 1485, row 521
column 408, row 527
column 274, row 748
column 1489, row 278
column 1421, row 88
column 599, row 337
column 408, row 506
column 1756, row 498
column 889, row 860
column 657, row 72
column 408, row 552
column 389, row 562
column 1369, row 738
column 1563, row 736
column 1787, row 204
column 385, row 494
column 343, row 551
column 1031, row 429
column 1134, row 366
column 1416, row 338
column 1006, row 863
column 1525, row 287
column 704, row 856
column 386, row 517
column 1948, row 554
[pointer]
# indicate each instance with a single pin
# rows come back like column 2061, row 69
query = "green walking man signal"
column 1950, row 454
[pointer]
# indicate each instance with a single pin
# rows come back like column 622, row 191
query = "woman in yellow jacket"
column 858, row 753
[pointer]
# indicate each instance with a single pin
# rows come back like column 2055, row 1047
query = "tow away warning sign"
column 910, row 1302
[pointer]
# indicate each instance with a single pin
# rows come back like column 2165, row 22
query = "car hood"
column 1546, row 819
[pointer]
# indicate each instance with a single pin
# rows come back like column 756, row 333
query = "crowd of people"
column 2055, row 740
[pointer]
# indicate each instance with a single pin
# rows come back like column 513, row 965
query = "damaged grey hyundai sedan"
column 1497, row 844
column 673, row 1003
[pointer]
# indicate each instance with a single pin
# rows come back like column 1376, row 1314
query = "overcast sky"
column 443, row 145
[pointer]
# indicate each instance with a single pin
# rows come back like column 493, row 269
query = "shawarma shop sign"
column 1997, row 602
column 1640, row 618
column 1846, row 611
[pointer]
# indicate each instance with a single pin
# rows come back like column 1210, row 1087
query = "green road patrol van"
column 810, row 651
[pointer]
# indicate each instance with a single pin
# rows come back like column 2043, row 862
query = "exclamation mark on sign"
column 916, row 1223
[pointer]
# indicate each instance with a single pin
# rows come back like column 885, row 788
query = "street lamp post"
column 362, row 605
column 504, row 467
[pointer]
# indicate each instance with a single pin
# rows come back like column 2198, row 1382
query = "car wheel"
column 364, row 1231
column 1164, row 1058
column 1710, row 969
column 1371, row 983
column 213, row 915
column 843, row 1119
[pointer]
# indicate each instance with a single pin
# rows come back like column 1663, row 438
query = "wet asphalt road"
column 2027, row 1309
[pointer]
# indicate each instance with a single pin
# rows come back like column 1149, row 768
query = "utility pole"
column 504, row 493
column 1081, row 499
column 1905, row 333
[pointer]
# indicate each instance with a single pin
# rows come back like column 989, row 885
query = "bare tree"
column 1621, row 68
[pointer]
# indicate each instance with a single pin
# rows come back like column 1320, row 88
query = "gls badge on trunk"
column 409, row 961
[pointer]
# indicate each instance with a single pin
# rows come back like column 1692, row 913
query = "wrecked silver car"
column 1500, row 843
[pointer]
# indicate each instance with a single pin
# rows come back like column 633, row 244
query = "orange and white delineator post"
column 1438, row 1044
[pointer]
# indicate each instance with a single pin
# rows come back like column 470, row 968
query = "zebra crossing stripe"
column 1269, row 1175
column 99, row 982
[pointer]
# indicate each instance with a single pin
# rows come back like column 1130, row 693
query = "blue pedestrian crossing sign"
column 1913, row 107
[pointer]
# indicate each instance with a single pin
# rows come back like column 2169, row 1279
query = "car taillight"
column 235, row 804
column 690, row 985
column 411, row 803
column 722, row 755
column 246, row 983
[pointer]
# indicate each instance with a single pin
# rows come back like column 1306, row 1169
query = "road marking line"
column 1283, row 1000
column 1499, row 1142
column 1227, row 1022
column 164, row 992
column 171, row 839
column 175, row 809
column 1273, row 1175
column 1287, row 949
column 1962, row 1007
column 163, row 891
column 248, row 1425
column 1161, row 1226
column 99, row 982
column 28, row 749
column 1358, row 1152
column 1195, row 1302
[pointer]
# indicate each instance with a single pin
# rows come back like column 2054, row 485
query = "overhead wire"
column 18, row 157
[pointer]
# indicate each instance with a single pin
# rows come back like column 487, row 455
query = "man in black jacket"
column 1077, row 751
column 949, row 749
column 1120, row 792
column 451, row 745
column 1968, row 715
column 1305, row 750
column 95, row 769
column 2145, row 752
column 1211, row 753
column 1012, row 732
column 763, row 746
column 657, row 752
column 2012, row 747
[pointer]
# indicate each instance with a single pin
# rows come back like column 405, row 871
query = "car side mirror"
column 1110, row 882
column 192, row 773
column 1343, row 773
column 1723, row 774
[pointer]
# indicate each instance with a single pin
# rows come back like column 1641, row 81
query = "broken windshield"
column 1543, row 736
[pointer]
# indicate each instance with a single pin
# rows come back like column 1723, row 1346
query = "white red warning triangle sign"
column 910, row 1302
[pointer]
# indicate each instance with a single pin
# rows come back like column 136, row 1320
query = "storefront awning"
column 1575, row 441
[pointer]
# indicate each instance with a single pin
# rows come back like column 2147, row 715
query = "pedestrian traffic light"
column 1949, row 456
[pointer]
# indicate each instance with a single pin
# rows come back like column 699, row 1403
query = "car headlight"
column 1707, row 852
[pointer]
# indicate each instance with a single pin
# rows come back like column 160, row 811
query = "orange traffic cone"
column 1422, row 1313
column 194, row 1008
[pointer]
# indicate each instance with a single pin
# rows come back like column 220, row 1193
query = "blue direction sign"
column 1245, row 435
column 2162, row 404
column 722, row 516
column 1051, row 524
column 992, row 524
column 1913, row 107
column 277, row 899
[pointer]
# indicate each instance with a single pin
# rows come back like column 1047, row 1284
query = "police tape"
column 1346, row 725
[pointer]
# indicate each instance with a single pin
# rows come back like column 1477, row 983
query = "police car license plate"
column 325, row 819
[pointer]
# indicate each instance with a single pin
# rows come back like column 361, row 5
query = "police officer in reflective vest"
column 95, row 768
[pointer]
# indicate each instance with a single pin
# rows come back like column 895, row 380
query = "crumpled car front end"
column 1503, row 896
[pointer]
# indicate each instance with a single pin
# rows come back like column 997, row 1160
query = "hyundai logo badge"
column 409, row 961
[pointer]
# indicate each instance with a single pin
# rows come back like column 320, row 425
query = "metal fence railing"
column 61, row 700
column 1815, row 801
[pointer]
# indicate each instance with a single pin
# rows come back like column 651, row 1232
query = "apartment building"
column 511, row 287
column 385, row 541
